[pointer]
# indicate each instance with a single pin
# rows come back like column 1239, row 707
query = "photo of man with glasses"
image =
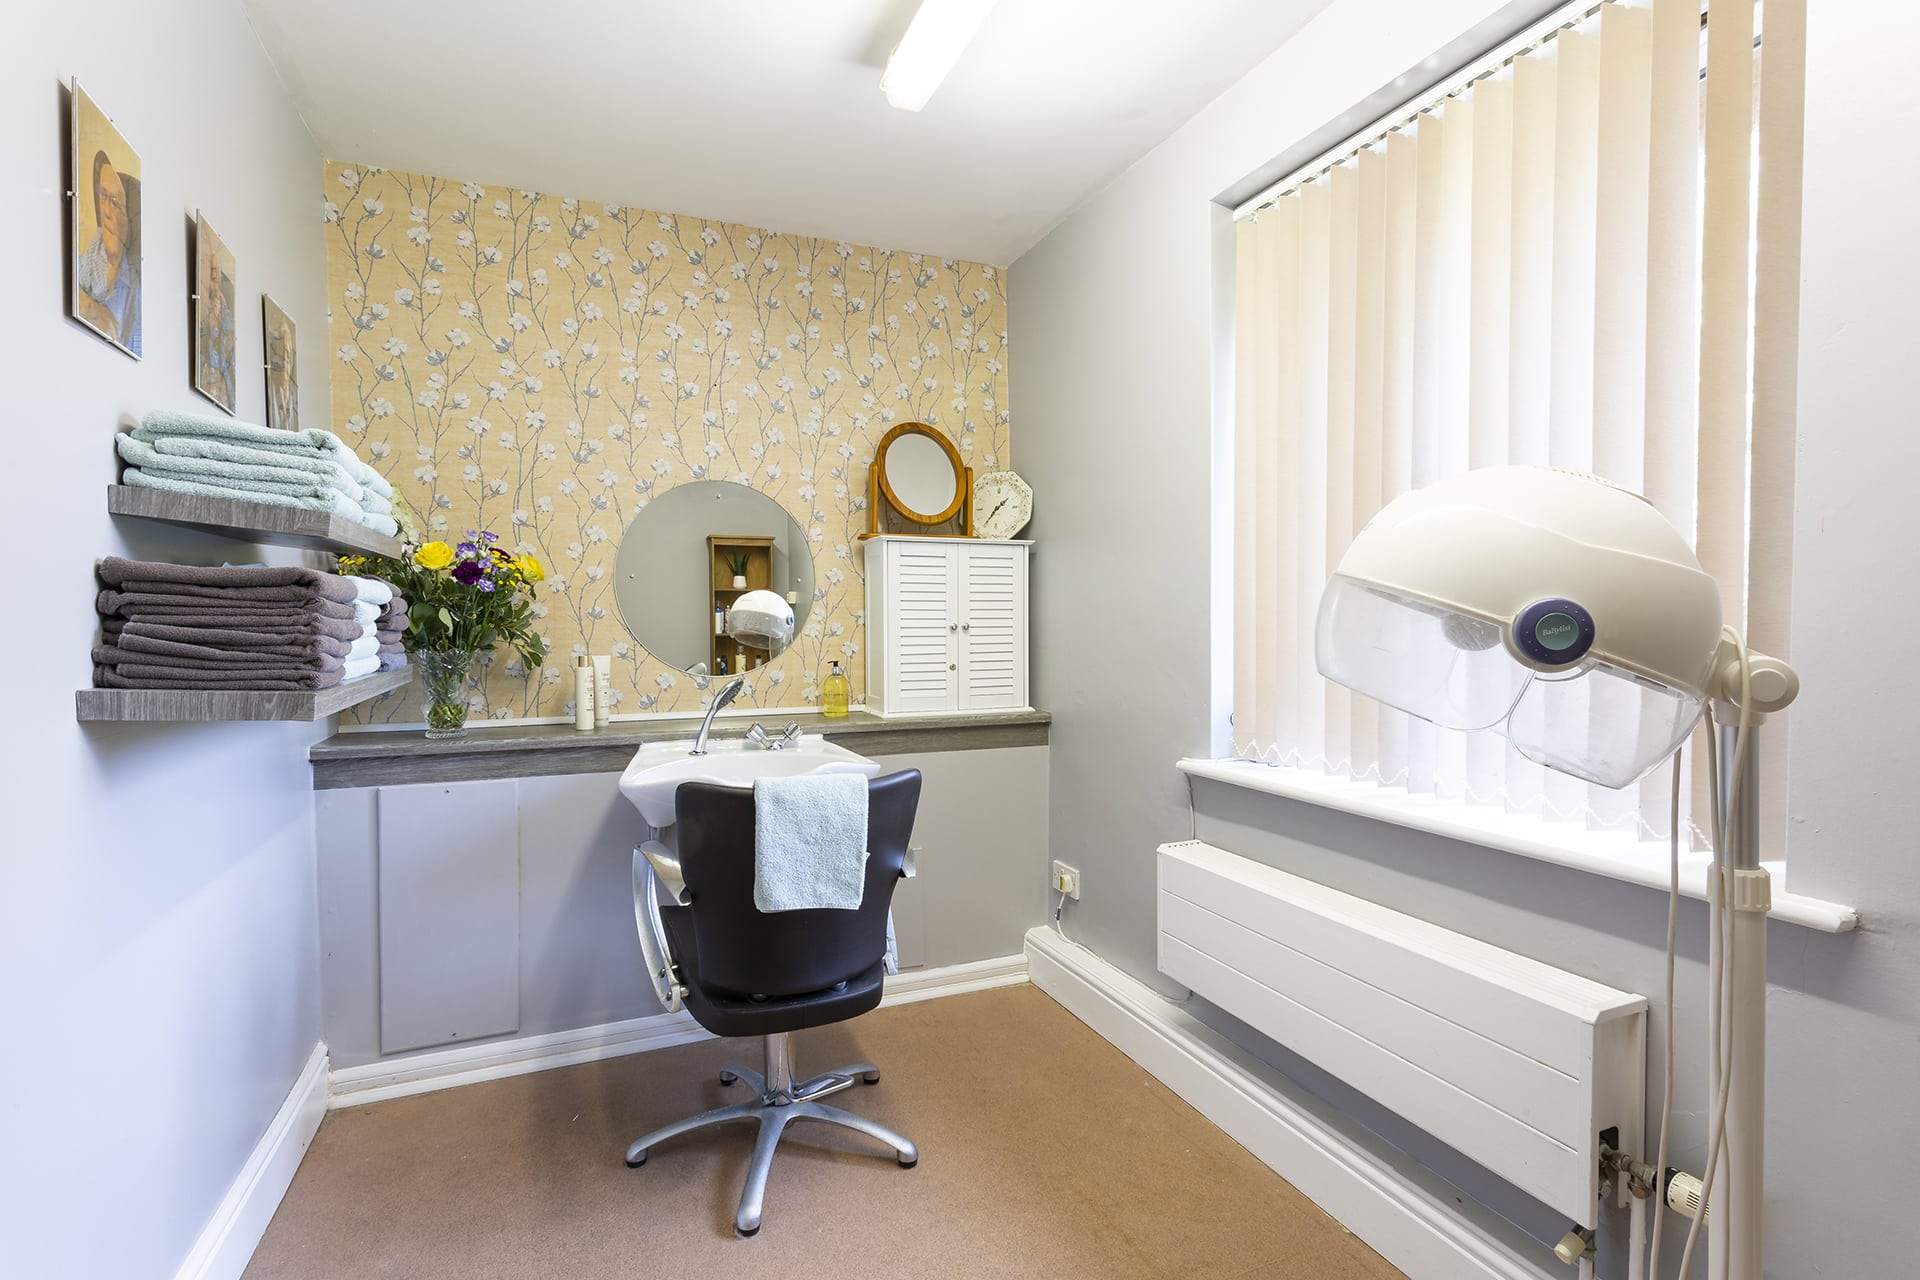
column 106, row 228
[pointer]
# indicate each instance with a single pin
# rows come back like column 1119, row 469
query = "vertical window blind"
column 1586, row 257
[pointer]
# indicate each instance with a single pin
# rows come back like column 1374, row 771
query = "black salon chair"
column 743, row 972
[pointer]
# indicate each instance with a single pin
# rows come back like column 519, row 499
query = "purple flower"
column 485, row 585
column 469, row 572
column 488, row 537
column 467, row 549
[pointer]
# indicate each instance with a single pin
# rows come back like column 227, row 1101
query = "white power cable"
column 1726, row 817
column 1673, row 935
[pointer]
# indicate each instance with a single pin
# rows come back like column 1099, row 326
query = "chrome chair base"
column 778, row 1102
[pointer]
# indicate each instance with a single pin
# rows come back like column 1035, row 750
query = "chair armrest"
column 667, row 867
column 646, row 922
column 910, row 864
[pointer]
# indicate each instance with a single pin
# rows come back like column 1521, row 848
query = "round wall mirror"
column 690, row 554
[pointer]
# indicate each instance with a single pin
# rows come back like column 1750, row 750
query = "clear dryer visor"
column 1594, row 721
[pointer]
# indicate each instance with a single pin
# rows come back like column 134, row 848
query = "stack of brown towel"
column 175, row 626
column 391, row 630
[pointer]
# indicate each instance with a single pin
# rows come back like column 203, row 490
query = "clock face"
column 1002, row 504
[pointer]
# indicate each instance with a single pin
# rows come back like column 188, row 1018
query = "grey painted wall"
column 1113, row 316
column 157, row 920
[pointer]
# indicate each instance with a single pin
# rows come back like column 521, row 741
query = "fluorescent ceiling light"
column 932, row 44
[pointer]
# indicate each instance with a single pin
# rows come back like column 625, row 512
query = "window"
column 1530, row 268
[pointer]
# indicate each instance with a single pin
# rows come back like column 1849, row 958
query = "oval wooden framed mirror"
column 918, row 484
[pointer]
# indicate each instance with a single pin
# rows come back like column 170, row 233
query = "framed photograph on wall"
column 214, row 294
column 283, row 390
column 103, row 274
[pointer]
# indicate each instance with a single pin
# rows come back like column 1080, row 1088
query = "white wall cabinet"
column 946, row 625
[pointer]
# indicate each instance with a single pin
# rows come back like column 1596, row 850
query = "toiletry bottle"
column 719, row 620
column 602, row 690
column 834, row 694
column 720, row 664
column 583, row 698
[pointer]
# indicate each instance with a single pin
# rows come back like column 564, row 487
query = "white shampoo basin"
column 658, row 769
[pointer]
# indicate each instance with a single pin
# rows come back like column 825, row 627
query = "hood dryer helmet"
column 1557, row 608
column 761, row 620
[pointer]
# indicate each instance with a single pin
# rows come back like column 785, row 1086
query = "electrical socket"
column 1066, row 880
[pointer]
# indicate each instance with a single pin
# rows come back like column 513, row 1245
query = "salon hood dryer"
column 1569, row 615
column 1465, row 601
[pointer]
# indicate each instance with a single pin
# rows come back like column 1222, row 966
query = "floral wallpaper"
column 545, row 367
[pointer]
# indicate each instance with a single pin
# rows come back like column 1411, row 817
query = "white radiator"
column 1516, row 1064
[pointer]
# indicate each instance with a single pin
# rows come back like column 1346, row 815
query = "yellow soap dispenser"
column 834, row 695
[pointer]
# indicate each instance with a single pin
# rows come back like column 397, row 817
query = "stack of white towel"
column 217, row 457
column 373, row 597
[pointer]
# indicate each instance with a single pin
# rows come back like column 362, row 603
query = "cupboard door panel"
column 449, row 894
column 993, row 619
column 920, row 660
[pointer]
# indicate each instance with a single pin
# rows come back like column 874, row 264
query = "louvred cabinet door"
column 993, row 627
column 922, row 658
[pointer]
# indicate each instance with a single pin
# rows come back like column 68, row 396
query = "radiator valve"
column 1575, row 1245
column 1683, row 1195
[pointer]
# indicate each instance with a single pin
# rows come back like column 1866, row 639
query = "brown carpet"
column 1044, row 1151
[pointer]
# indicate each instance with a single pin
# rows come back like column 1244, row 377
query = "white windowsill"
column 1599, row 853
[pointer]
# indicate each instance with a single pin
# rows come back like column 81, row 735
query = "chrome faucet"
column 758, row 736
column 728, row 692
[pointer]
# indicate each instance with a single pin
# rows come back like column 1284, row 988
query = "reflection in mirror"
column 690, row 554
column 921, row 475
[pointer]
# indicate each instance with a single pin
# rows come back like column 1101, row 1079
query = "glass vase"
column 443, row 682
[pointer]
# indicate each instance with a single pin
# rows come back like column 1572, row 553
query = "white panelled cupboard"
column 946, row 625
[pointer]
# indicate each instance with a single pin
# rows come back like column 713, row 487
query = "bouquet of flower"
column 469, row 597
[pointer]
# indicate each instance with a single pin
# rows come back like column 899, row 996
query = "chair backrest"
column 744, row 951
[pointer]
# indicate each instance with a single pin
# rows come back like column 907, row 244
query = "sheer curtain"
column 1567, row 262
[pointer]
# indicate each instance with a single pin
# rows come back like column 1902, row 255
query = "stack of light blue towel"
column 217, row 457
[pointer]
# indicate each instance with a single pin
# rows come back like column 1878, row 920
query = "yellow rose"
column 434, row 555
column 530, row 568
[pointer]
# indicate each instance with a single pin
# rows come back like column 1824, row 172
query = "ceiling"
column 769, row 112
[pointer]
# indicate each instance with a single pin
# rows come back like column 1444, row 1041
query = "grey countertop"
column 390, row 757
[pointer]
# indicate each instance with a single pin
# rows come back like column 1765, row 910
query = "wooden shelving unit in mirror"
column 736, row 564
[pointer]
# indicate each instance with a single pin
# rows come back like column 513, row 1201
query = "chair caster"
column 908, row 1164
column 727, row 1077
column 871, row 1077
column 744, row 1233
column 634, row 1162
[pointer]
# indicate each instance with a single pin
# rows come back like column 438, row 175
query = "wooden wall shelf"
column 251, row 521
column 156, row 706
column 759, row 577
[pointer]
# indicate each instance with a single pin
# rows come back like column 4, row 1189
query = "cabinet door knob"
column 951, row 667
column 966, row 626
column 953, row 626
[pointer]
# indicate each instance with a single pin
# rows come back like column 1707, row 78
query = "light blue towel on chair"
column 810, row 842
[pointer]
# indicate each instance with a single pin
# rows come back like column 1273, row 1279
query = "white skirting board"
column 1400, row 1210
column 497, row 1059
column 227, row 1243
